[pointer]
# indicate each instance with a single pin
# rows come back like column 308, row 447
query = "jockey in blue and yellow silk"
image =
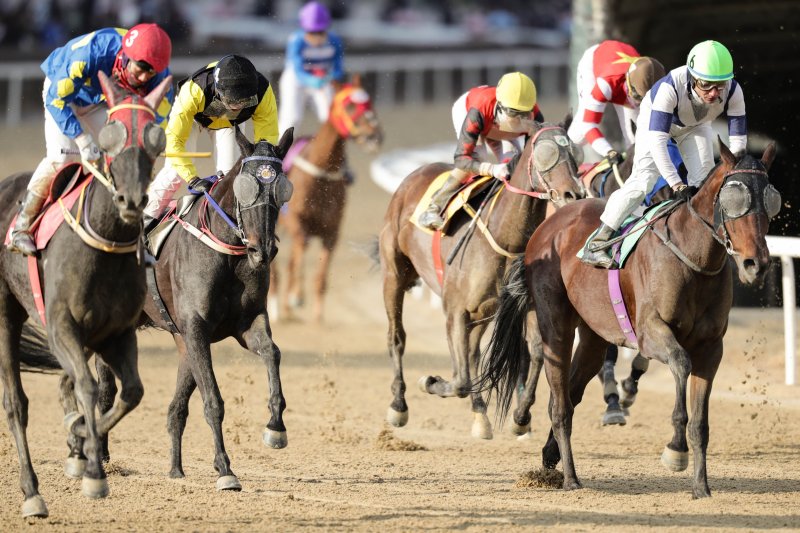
column 75, row 109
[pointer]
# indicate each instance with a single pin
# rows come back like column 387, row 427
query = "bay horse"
column 212, row 285
column 677, row 287
column 320, row 192
column 92, row 298
column 469, row 289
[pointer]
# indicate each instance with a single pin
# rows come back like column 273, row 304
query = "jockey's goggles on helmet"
column 514, row 113
column 706, row 86
column 239, row 103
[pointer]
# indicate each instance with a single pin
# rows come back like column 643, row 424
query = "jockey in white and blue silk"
column 681, row 106
column 314, row 58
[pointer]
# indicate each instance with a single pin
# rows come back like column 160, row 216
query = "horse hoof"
column 626, row 400
column 614, row 418
column 397, row 418
column 481, row 428
column 572, row 485
column 274, row 439
column 674, row 461
column 229, row 483
column 94, row 488
column 525, row 436
column 520, row 431
column 34, row 506
column 74, row 467
column 423, row 383
column 71, row 419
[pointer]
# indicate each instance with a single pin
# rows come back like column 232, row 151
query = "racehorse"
column 93, row 294
column 318, row 173
column 677, row 287
column 545, row 176
column 210, row 290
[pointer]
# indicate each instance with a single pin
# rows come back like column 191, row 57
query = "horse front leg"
column 75, row 464
column 66, row 346
column 178, row 410
column 481, row 426
column 198, row 351
column 107, row 392
column 704, row 368
column 258, row 339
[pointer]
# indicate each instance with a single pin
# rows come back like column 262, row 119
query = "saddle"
column 155, row 238
column 67, row 186
column 460, row 200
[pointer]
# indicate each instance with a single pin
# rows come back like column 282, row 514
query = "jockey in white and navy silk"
column 314, row 58
column 611, row 73
column 74, row 104
column 680, row 106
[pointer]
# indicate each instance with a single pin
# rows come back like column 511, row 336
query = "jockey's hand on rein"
column 199, row 184
column 614, row 158
column 499, row 170
column 88, row 148
column 684, row 192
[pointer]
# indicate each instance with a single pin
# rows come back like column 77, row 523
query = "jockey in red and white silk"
column 601, row 80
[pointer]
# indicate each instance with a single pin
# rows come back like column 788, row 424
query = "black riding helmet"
column 236, row 81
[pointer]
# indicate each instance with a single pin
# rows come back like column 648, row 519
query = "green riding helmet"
column 710, row 61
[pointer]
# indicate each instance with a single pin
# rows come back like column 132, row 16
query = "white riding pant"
column 293, row 99
column 509, row 148
column 168, row 181
column 91, row 118
column 697, row 151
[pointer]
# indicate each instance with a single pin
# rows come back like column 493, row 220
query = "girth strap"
column 152, row 288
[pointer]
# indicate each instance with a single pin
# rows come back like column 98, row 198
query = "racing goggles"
column 239, row 103
column 706, row 86
column 514, row 113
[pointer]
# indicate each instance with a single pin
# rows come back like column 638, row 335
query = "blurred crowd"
column 34, row 26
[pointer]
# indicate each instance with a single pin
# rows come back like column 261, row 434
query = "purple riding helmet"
column 315, row 17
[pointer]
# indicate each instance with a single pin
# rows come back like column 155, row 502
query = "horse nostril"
column 120, row 199
column 569, row 196
column 751, row 265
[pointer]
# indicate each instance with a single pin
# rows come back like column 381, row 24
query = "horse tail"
column 34, row 350
column 504, row 358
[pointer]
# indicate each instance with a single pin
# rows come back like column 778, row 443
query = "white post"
column 789, row 316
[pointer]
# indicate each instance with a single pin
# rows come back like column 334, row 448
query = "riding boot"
column 432, row 218
column 599, row 258
column 21, row 239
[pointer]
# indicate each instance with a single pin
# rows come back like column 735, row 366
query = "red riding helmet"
column 149, row 43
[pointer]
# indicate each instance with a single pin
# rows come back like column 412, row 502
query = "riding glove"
column 683, row 192
column 88, row 148
column 500, row 170
column 199, row 184
column 613, row 157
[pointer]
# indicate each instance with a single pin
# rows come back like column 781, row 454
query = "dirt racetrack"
column 337, row 474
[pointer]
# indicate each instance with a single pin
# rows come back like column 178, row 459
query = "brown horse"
column 677, row 287
column 547, row 174
column 318, row 173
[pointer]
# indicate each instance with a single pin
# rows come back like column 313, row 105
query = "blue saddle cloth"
column 677, row 160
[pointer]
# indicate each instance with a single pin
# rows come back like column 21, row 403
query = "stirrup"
column 599, row 258
column 431, row 220
column 22, row 242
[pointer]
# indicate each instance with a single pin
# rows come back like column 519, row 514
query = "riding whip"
column 471, row 226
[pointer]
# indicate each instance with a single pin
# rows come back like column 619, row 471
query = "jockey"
column 75, row 109
column 493, row 115
column 680, row 106
column 611, row 73
column 218, row 98
column 314, row 58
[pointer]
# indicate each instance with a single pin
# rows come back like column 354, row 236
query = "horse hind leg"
column 15, row 402
column 526, row 385
column 630, row 385
column 178, row 413
column 321, row 280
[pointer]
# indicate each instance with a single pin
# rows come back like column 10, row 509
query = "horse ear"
column 154, row 97
column 725, row 153
column 110, row 89
column 567, row 120
column 286, row 142
column 769, row 155
column 247, row 148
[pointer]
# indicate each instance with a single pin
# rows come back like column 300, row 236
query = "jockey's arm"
column 265, row 118
column 467, row 141
column 294, row 60
column 737, row 120
column 587, row 126
column 64, row 87
column 657, row 134
column 189, row 102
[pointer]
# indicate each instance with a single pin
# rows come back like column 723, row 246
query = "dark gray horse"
column 92, row 298
column 211, row 295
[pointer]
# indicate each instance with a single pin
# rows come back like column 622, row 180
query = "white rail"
column 787, row 248
column 411, row 77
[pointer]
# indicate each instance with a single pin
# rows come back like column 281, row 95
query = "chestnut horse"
column 318, row 173
column 677, row 287
column 469, row 289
